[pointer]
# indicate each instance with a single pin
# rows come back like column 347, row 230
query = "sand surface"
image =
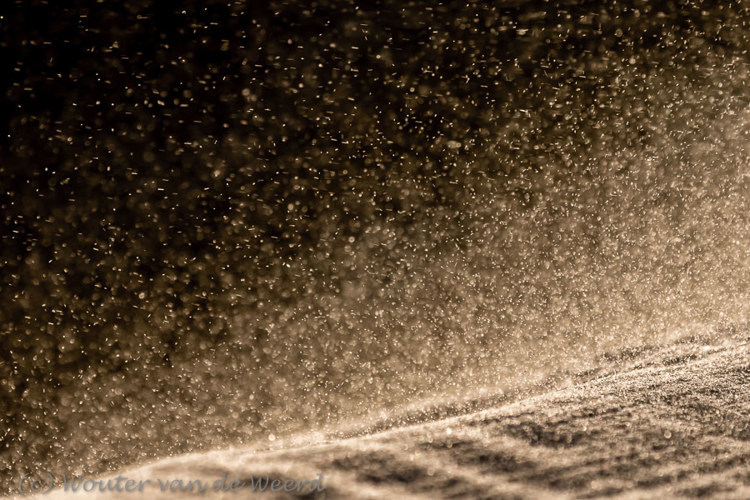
column 669, row 422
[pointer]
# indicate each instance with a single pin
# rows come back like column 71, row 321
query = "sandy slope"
column 670, row 422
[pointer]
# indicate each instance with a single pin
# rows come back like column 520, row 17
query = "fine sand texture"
column 668, row 422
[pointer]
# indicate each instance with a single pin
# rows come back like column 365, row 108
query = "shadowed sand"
column 671, row 422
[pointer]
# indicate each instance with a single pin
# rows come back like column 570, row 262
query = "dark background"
column 225, row 219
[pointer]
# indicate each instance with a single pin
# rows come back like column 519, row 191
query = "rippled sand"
column 668, row 422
